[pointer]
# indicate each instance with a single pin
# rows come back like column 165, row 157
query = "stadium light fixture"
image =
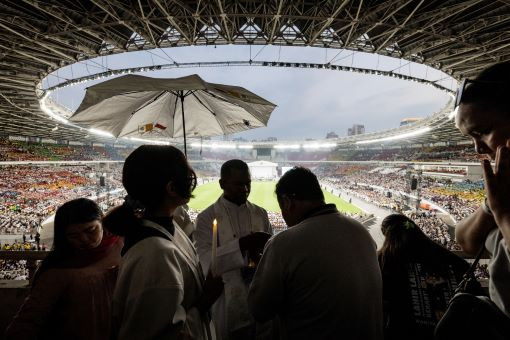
column 222, row 146
column 149, row 141
column 49, row 112
column 286, row 146
column 396, row 137
column 100, row 132
column 214, row 146
column 319, row 146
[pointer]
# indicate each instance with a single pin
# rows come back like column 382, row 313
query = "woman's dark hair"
column 145, row 175
column 299, row 183
column 490, row 88
column 80, row 210
column 402, row 237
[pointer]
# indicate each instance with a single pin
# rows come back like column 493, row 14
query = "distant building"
column 357, row 129
column 331, row 135
column 409, row 121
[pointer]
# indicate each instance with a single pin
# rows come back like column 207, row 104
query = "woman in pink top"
column 72, row 289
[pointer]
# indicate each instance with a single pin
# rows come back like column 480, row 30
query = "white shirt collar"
column 231, row 205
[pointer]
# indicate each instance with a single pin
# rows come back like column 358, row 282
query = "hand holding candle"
column 214, row 247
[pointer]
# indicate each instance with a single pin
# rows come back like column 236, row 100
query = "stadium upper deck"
column 37, row 38
column 14, row 151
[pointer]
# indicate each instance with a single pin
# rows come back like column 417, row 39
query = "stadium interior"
column 426, row 169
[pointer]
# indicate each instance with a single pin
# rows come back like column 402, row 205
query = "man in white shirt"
column 243, row 230
column 321, row 276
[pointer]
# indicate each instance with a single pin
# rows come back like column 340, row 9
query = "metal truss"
column 38, row 37
column 250, row 63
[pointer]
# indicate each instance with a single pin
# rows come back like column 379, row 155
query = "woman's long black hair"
column 80, row 210
column 402, row 239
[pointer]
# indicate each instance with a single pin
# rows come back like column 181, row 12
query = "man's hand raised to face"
column 497, row 183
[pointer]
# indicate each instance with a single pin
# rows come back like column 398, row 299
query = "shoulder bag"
column 470, row 316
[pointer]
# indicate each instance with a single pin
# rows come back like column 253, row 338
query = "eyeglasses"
column 463, row 85
column 460, row 91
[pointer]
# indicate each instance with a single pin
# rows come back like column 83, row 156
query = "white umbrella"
column 157, row 108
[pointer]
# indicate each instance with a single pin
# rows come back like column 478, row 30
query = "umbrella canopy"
column 144, row 107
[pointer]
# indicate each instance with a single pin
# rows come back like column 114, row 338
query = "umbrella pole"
column 183, row 124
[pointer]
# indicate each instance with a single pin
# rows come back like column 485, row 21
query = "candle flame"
column 215, row 222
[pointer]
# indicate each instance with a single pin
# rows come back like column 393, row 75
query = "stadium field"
column 262, row 194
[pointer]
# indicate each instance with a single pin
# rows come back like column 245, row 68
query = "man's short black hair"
column 228, row 166
column 299, row 183
column 490, row 88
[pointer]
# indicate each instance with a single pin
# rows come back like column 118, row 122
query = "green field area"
column 262, row 194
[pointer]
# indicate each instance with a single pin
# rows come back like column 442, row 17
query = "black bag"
column 470, row 316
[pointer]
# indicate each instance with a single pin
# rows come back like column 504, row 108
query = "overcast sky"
column 310, row 102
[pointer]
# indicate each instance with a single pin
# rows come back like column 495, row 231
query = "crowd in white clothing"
column 13, row 270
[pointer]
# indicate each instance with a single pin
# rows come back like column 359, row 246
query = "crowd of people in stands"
column 458, row 198
column 13, row 150
column 22, row 245
column 460, row 153
column 387, row 188
column 29, row 194
column 31, row 151
column 276, row 219
column 435, row 228
column 13, row 270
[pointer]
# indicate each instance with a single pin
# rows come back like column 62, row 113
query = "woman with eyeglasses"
column 484, row 115
column 161, row 292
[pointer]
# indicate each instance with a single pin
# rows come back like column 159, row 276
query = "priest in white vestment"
column 243, row 230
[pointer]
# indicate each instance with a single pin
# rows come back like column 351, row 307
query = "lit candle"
column 214, row 246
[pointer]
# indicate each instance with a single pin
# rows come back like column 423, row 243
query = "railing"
column 31, row 256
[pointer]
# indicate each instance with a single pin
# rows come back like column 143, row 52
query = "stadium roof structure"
column 39, row 37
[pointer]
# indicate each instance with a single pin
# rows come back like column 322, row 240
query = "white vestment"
column 158, row 284
column 230, row 312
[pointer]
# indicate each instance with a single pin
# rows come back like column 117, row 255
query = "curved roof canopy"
column 38, row 37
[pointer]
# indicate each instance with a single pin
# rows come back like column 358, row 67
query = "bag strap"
column 477, row 259
column 468, row 275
